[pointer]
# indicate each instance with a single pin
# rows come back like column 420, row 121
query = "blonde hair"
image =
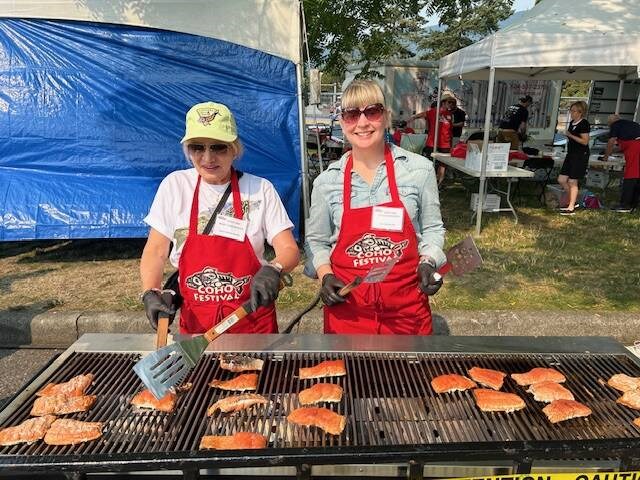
column 581, row 106
column 236, row 147
column 361, row 93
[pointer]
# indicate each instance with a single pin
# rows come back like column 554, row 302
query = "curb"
column 63, row 328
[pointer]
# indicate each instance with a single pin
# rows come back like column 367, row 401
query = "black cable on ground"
column 298, row 317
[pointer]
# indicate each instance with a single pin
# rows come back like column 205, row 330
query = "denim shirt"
column 418, row 191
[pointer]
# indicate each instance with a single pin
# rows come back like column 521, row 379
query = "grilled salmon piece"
column 65, row 431
column 73, row 388
column 630, row 399
column 537, row 375
column 561, row 410
column 236, row 403
column 61, row 404
column 241, row 383
column 323, row 418
column 487, row 377
column 328, row 368
column 623, row 382
column 320, row 392
column 238, row 441
column 452, row 383
column 29, row 431
column 492, row 401
column 240, row 363
column 549, row 391
column 636, row 421
column 146, row 399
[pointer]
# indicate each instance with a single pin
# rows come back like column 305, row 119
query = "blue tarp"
column 91, row 116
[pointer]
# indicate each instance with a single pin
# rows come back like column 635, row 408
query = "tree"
column 464, row 22
column 368, row 31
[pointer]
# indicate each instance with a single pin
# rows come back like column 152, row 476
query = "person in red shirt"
column 400, row 130
column 445, row 120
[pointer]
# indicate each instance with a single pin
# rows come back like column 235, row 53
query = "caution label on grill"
column 563, row 476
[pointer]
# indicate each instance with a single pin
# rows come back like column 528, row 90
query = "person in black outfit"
column 513, row 124
column 459, row 116
column 627, row 135
column 577, row 158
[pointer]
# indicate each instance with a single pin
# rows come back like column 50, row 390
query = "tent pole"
column 636, row 113
column 485, row 149
column 303, row 144
column 619, row 99
column 435, row 133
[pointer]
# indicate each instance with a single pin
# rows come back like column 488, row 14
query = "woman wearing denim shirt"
column 389, row 209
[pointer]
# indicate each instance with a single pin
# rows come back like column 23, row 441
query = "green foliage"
column 367, row 31
column 575, row 88
column 464, row 22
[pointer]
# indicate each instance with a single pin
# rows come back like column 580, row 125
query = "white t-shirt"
column 169, row 214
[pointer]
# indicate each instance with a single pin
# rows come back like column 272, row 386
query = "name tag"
column 230, row 227
column 387, row 218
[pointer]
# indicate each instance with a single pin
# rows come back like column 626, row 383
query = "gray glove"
column 426, row 280
column 329, row 291
column 265, row 287
column 158, row 303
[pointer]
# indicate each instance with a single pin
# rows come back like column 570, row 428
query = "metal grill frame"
column 522, row 453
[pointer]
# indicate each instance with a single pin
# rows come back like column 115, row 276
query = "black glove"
column 426, row 281
column 329, row 291
column 265, row 287
column 157, row 302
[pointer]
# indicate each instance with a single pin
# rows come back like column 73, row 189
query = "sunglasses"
column 372, row 112
column 199, row 148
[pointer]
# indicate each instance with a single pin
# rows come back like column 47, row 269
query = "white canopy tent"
column 555, row 40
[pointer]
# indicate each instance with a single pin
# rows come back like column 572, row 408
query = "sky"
column 518, row 5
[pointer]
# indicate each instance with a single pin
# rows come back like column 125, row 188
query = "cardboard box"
column 497, row 157
column 491, row 202
column 597, row 179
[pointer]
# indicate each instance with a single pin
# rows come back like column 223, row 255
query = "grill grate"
column 388, row 401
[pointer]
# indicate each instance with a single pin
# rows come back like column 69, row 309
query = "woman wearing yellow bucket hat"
column 221, row 270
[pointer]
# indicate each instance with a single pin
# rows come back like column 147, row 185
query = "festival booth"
column 93, row 97
column 555, row 40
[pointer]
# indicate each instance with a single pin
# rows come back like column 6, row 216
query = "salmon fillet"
column 73, row 388
column 29, row 431
column 240, row 363
column 65, row 431
column 537, row 375
column 241, row 383
column 630, row 399
column 549, row 391
column 561, row 410
column 487, row 377
column 492, row 401
column 623, row 382
column 323, row 418
column 239, row 441
column 236, row 403
column 636, row 421
column 146, row 399
column 452, row 383
column 321, row 392
column 61, row 404
column 328, row 368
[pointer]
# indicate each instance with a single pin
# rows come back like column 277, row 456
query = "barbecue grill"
column 394, row 418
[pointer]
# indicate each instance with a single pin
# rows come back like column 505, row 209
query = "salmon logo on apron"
column 371, row 249
column 210, row 285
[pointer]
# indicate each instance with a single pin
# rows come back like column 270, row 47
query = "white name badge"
column 230, row 227
column 387, row 218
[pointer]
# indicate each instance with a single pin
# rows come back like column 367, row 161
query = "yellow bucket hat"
column 210, row 120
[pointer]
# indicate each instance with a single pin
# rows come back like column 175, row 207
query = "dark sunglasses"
column 372, row 112
column 214, row 147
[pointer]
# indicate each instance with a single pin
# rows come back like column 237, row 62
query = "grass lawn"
column 545, row 262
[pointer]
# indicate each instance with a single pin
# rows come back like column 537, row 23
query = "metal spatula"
column 462, row 258
column 169, row 366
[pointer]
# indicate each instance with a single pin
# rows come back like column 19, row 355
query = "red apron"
column 631, row 149
column 394, row 306
column 215, row 277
